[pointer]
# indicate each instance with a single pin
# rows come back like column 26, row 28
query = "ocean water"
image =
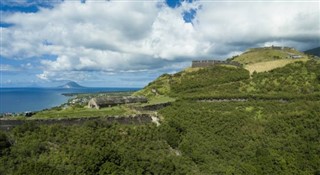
column 15, row 100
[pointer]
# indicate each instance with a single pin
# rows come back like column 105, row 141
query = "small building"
column 296, row 56
column 107, row 101
column 208, row 63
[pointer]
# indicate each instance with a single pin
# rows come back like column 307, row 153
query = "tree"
column 4, row 142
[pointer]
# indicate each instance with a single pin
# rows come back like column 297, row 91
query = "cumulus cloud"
column 123, row 36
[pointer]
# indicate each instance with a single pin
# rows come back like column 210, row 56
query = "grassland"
column 159, row 100
column 270, row 65
column 263, row 55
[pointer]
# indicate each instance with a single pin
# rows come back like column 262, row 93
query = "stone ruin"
column 208, row 63
column 107, row 101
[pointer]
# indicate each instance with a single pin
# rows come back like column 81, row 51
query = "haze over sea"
column 15, row 100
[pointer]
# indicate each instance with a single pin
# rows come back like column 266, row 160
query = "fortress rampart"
column 208, row 63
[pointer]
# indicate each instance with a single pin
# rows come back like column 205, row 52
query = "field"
column 263, row 55
column 270, row 65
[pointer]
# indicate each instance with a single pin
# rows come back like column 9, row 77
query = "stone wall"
column 156, row 107
column 107, row 101
column 208, row 63
column 133, row 119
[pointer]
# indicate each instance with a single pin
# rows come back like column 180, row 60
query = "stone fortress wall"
column 208, row 63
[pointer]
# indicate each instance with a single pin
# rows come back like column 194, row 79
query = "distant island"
column 71, row 84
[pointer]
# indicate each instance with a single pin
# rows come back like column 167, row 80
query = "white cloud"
column 28, row 3
column 8, row 68
column 63, row 75
column 122, row 36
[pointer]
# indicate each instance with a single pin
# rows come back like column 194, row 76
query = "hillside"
column 263, row 54
column 221, row 120
column 292, row 80
column 286, row 80
column 229, row 122
column 269, row 58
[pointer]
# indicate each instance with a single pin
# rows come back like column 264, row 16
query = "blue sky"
column 116, row 43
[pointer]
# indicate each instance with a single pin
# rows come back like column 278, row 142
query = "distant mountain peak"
column 71, row 84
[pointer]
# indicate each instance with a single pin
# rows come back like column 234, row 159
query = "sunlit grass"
column 160, row 99
column 270, row 65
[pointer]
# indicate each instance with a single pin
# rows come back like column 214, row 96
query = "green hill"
column 268, row 58
column 227, row 122
column 264, row 54
column 222, row 120
column 294, row 80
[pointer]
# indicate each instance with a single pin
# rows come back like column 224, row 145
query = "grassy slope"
column 295, row 79
column 270, row 65
column 261, row 60
column 159, row 90
column 262, row 55
column 161, row 85
column 258, row 60
column 191, row 80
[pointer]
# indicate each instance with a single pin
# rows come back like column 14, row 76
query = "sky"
column 122, row 43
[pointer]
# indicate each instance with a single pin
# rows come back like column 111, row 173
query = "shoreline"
column 71, row 98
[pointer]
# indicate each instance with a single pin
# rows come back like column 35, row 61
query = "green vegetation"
column 94, row 148
column 266, row 59
column 247, row 137
column 159, row 100
column 218, row 75
column 274, row 130
column 295, row 80
column 188, row 82
column 158, row 87
column 266, row 54
column 4, row 143
column 195, row 138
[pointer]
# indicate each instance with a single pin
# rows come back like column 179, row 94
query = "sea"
column 17, row 100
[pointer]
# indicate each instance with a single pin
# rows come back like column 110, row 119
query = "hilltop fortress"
column 208, row 63
column 274, row 52
column 272, row 48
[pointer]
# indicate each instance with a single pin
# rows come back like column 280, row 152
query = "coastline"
column 41, row 99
